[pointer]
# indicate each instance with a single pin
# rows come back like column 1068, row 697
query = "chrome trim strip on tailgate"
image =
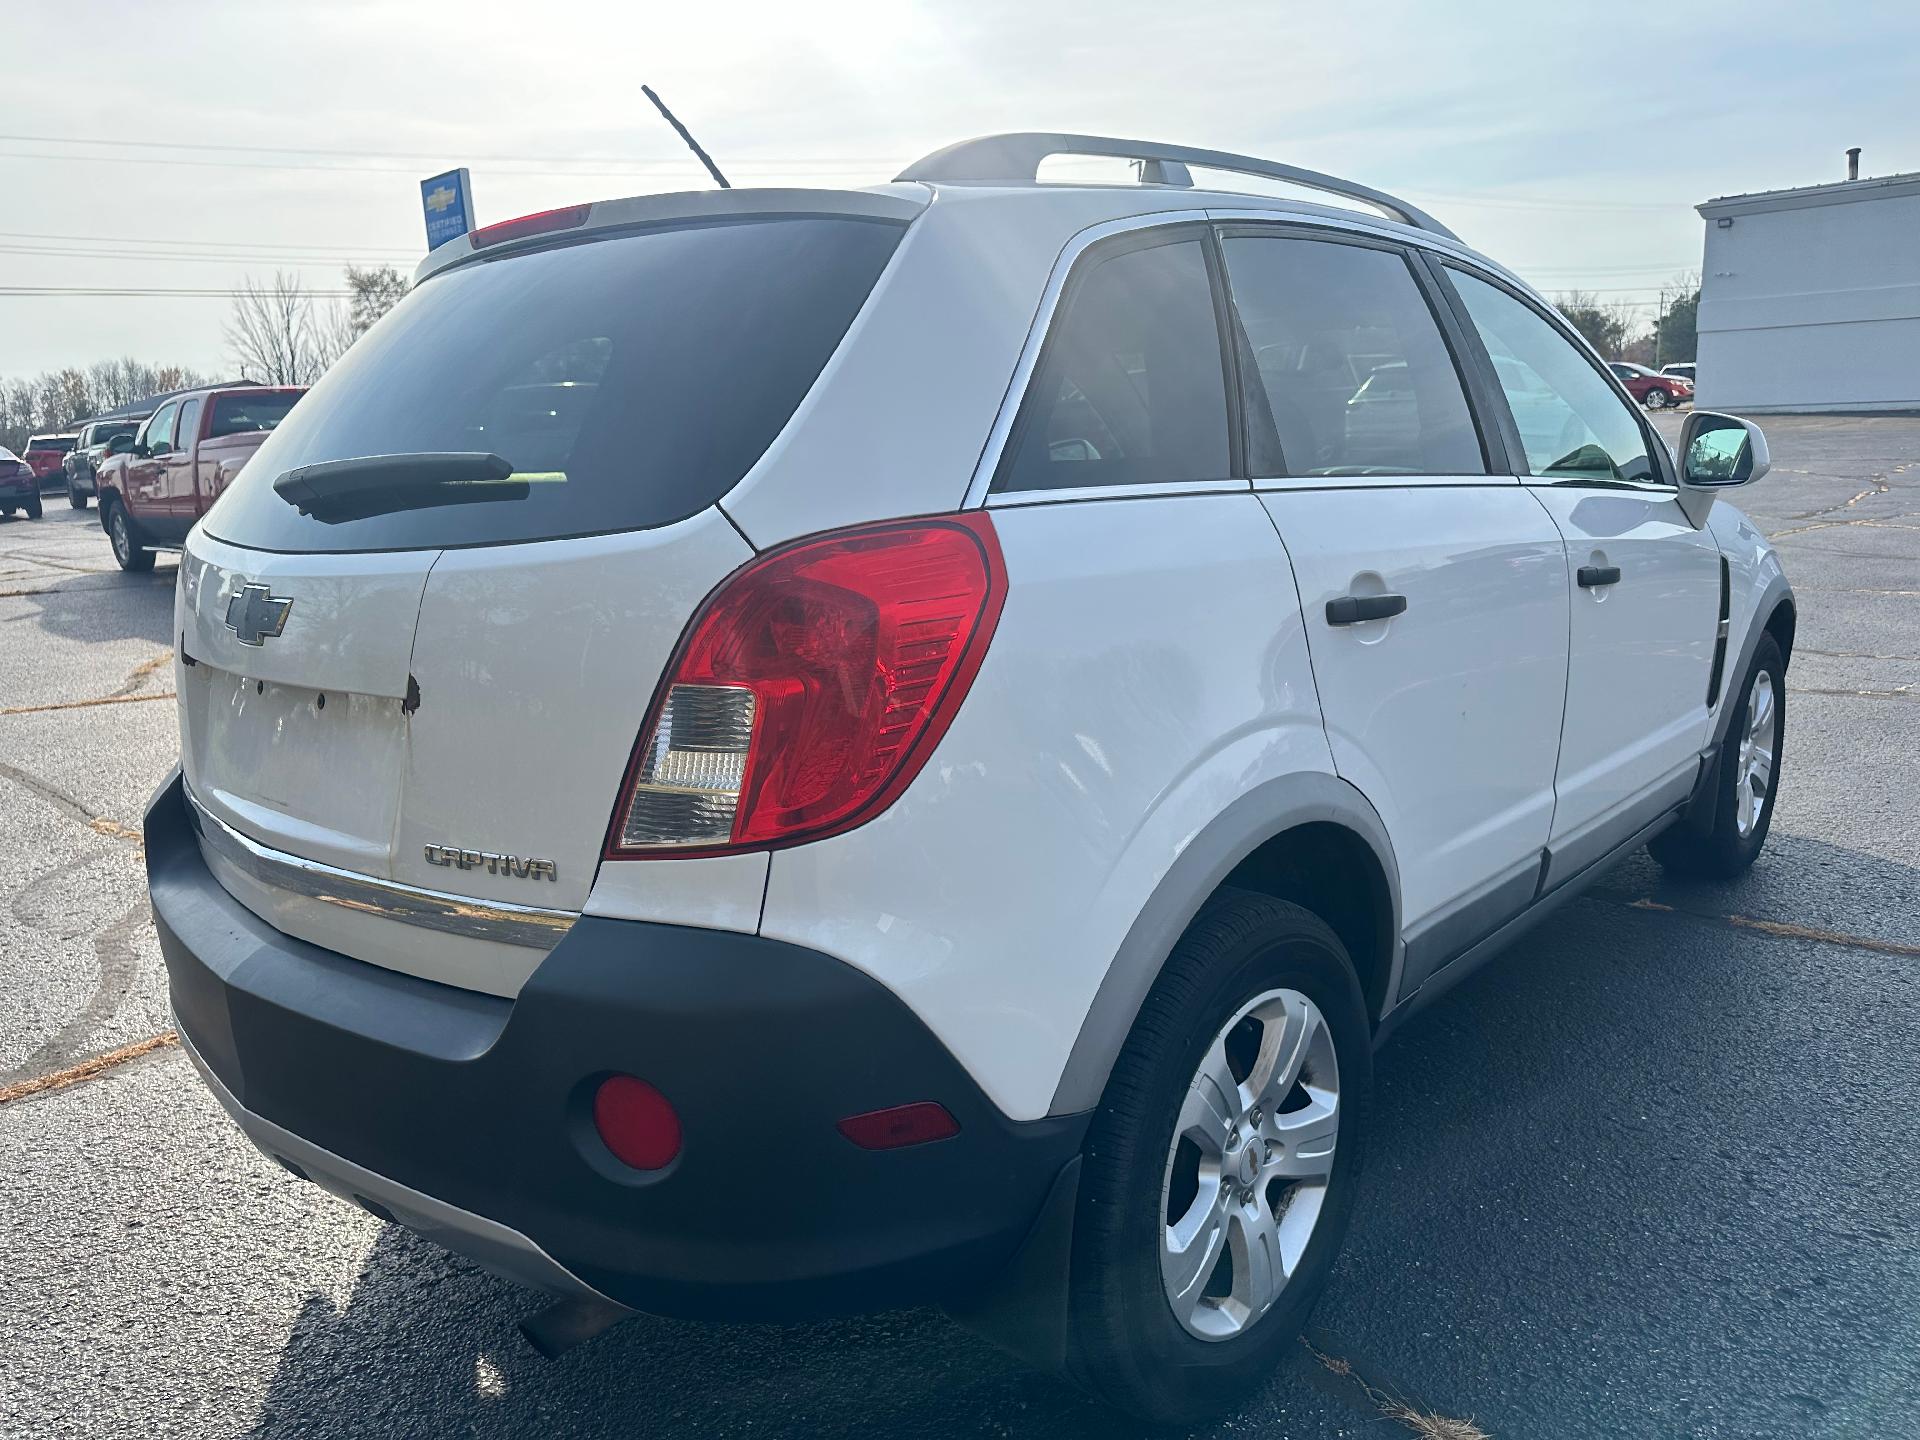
column 431, row 909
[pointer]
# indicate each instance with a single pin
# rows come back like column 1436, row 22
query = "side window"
column 158, row 436
column 189, row 423
column 1573, row 427
column 1130, row 389
column 1348, row 360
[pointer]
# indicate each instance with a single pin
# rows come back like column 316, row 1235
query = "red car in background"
column 46, row 453
column 1650, row 387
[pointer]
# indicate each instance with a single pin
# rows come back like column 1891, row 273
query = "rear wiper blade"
column 380, row 484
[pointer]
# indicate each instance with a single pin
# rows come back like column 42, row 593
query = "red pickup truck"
column 155, row 484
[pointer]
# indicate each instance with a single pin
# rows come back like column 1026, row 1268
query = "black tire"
column 76, row 497
column 1127, row 1347
column 1721, row 851
column 128, row 553
column 32, row 507
column 1657, row 400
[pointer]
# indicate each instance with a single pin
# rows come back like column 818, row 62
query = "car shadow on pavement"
column 89, row 609
column 428, row 1345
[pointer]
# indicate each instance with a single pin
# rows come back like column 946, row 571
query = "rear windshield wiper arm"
column 380, row 484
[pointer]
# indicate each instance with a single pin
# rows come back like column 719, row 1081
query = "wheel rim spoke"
column 1288, row 1027
column 1192, row 1250
column 1259, row 1269
column 1304, row 1138
column 1212, row 1104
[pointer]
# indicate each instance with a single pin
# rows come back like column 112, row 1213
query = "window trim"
column 1493, row 453
column 1160, row 230
column 1497, row 398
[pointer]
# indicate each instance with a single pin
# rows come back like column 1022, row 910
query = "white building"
column 1810, row 298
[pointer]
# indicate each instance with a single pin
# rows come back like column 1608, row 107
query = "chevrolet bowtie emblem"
column 440, row 200
column 256, row 614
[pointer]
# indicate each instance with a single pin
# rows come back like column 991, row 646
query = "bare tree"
column 374, row 291
column 274, row 333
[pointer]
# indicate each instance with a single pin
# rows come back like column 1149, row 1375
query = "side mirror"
column 120, row 445
column 1717, row 451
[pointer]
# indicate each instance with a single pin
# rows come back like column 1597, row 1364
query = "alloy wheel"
column 1759, row 743
column 1247, row 1172
column 1656, row 399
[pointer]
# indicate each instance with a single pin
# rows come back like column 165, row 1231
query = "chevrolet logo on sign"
column 255, row 614
column 439, row 200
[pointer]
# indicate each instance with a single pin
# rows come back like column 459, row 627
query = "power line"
column 248, row 245
column 28, row 291
column 802, row 160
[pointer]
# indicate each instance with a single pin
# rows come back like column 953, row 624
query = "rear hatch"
column 439, row 686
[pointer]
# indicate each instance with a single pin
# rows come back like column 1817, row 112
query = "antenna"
column 681, row 131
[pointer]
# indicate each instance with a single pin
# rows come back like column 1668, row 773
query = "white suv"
column 772, row 752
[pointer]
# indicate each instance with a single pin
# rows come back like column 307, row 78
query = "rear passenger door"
column 1645, row 582
column 1434, row 587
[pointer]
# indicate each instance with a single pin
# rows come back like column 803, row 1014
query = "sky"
column 1568, row 141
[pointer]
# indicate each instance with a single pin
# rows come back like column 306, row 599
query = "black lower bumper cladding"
column 768, row 1212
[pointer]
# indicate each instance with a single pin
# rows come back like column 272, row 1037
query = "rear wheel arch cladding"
column 1259, row 819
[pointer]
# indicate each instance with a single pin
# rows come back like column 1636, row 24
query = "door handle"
column 1352, row 609
column 1591, row 575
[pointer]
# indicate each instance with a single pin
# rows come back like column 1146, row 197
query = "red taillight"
column 810, row 688
column 539, row 223
column 902, row 1125
column 636, row 1122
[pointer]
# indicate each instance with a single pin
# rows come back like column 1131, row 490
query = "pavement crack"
column 67, row 805
column 116, row 699
column 1899, row 692
column 1424, row 1423
column 1782, row 929
column 137, row 676
column 91, row 1069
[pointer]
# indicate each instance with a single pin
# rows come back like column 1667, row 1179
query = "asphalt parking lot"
column 1655, row 1172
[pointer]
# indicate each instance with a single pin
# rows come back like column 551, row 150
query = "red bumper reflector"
column 902, row 1125
column 637, row 1123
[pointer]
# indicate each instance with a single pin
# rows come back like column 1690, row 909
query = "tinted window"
column 1344, row 354
column 159, row 429
column 189, row 422
column 58, row 443
column 629, row 381
column 1573, row 426
column 241, row 414
column 1130, row 389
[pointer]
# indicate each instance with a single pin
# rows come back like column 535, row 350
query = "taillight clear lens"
column 811, row 687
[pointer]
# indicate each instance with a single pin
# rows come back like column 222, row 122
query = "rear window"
column 59, row 443
column 242, row 414
column 101, row 434
column 630, row 382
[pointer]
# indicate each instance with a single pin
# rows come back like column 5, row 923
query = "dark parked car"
column 1650, row 388
column 19, row 486
column 83, row 461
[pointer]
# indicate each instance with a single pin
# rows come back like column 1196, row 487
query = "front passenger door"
column 177, row 482
column 1645, row 582
column 1435, row 592
column 146, row 473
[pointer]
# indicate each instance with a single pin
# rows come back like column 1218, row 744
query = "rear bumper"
column 468, row 1117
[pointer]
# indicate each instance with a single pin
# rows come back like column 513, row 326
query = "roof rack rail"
column 1014, row 159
